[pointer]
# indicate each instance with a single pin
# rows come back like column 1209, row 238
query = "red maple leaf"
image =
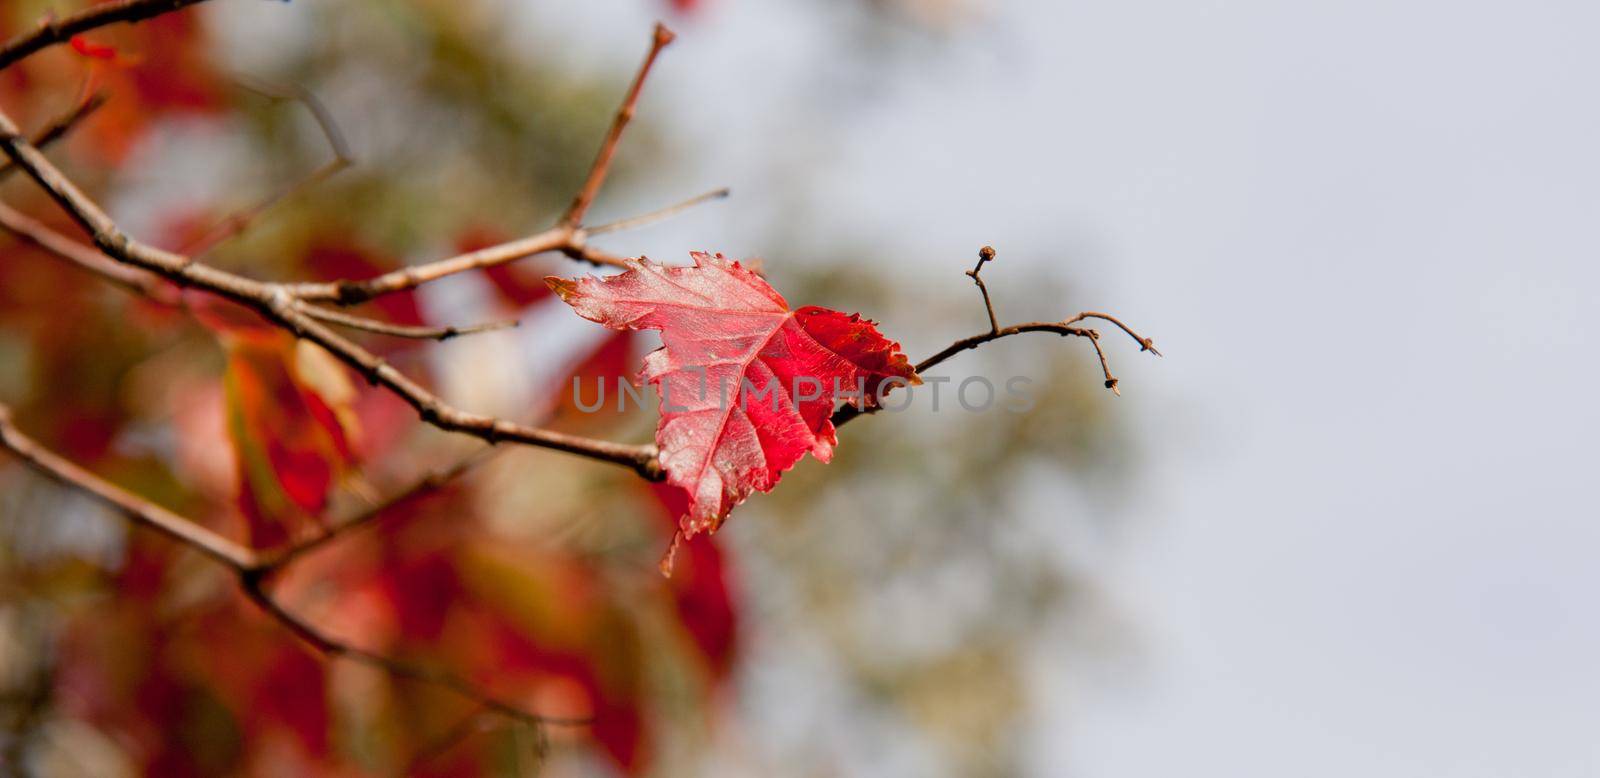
column 747, row 385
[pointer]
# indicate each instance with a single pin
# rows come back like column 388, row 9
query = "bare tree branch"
column 608, row 148
column 50, row 32
column 353, row 292
column 60, row 126
column 87, row 257
column 142, row 511
column 1057, row 327
column 573, row 242
column 1145, row 344
column 279, row 304
column 985, row 254
column 1063, row 328
column 568, row 236
column 402, row 330
column 635, row 222
column 252, row 586
column 251, row 570
column 433, row 481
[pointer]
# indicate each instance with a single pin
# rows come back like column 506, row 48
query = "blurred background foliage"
column 878, row 615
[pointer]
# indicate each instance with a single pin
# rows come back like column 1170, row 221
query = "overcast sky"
column 1365, row 235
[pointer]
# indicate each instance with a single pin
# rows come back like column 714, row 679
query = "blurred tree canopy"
column 876, row 613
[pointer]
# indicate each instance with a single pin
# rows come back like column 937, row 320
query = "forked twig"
column 985, row 254
column 87, row 257
column 1064, row 327
column 234, row 225
column 279, row 304
column 58, row 127
column 568, row 236
column 250, row 569
column 430, row 482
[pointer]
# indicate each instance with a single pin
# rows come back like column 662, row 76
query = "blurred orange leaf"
column 289, row 420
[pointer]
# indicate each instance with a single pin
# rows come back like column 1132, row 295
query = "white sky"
column 1365, row 235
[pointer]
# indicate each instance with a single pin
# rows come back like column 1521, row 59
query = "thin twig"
column 252, row 586
column 566, row 239
column 50, row 32
column 569, row 241
column 402, row 330
column 608, row 148
column 250, row 570
column 668, row 212
column 1064, row 328
column 152, row 286
column 353, row 292
column 1145, row 344
column 985, row 254
column 143, row 511
column 847, row 412
column 567, row 236
column 59, row 127
column 87, row 257
column 234, row 225
column 1057, row 327
column 433, row 481
column 573, row 242
column 319, row 112
column 1105, row 366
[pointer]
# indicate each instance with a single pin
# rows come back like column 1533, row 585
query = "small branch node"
column 648, row 465
column 352, row 293
column 985, row 254
column 664, row 36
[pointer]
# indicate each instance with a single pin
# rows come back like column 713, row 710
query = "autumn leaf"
column 748, row 386
column 701, row 589
column 289, row 418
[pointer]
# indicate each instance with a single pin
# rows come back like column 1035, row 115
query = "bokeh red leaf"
column 289, row 419
column 333, row 259
column 517, row 288
column 701, row 589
